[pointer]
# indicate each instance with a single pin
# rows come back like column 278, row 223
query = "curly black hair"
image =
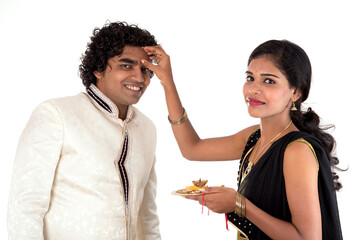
column 108, row 42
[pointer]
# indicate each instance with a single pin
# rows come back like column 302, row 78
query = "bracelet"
column 179, row 121
column 240, row 206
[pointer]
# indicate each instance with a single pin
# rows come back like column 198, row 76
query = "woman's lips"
column 254, row 102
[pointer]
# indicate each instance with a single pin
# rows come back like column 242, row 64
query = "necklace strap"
column 252, row 161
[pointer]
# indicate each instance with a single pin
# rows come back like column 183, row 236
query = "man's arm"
column 33, row 173
column 148, row 221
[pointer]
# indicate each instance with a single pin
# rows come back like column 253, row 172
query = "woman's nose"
column 254, row 89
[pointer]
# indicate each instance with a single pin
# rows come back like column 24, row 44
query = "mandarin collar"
column 103, row 103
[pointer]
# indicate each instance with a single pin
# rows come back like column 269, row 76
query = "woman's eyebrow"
column 263, row 74
column 268, row 75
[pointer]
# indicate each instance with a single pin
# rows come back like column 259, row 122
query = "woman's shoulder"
column 301, row 145
column 252, row 131
column 297, row 142
column 249, row 137
column 245, row 134
column 300, row 136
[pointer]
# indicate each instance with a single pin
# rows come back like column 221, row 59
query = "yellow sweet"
column 192, row 188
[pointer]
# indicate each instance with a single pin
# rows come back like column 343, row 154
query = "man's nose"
column 138, row 75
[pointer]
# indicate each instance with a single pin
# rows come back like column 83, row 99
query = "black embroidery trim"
column 103, row 104
column 250, row 143
column 243, row 224
column 123, row 174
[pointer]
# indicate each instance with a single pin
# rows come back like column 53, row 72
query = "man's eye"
column 148, row 72
column 125, row 66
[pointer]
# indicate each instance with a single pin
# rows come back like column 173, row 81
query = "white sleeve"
column 34, row 168
column 148, row 221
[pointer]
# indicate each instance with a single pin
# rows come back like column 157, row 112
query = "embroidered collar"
column 105, row 104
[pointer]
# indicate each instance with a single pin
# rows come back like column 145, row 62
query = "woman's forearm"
column 275, row 228
column 184, row 133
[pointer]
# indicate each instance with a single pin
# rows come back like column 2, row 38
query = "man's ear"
column 98, row 74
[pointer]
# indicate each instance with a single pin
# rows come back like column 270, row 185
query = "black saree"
column 265, row 187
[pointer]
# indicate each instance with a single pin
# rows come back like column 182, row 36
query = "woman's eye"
column 249, row 78
column 269, row 81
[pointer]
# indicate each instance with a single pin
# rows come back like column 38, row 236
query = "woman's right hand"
column 191, row 145
column 162, row 67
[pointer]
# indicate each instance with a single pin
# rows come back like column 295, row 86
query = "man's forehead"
column 133, row 53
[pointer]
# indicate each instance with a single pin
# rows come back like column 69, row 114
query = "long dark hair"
column 294, row 63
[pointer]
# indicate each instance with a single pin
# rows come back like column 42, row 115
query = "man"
column 84, row 167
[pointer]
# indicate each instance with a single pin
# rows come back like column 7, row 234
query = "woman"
column 286, row 189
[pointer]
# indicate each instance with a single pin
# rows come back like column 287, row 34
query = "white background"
column 209, row 42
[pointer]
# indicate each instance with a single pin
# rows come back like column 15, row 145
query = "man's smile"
column 133, row 87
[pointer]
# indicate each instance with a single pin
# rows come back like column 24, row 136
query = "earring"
column 293, row 107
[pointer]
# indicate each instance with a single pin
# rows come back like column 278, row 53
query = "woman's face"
column 267, row 91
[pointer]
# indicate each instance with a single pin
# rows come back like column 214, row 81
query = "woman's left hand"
column 217, row 199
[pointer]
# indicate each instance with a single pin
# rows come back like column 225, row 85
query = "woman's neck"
column 271, row 127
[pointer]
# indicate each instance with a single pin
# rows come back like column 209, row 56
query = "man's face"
column 125, row 79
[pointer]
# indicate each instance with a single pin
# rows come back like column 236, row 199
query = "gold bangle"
column 240, row 206
column 179, row 121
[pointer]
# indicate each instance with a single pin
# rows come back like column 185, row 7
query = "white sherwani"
column 81, row 173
